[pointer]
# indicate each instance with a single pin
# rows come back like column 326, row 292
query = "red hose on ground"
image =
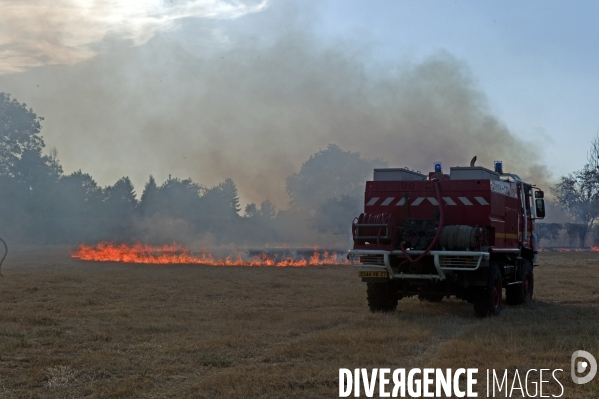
column 432, row 244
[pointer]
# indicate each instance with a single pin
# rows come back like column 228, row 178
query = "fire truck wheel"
column 522, row 293
column 431, row 297
column 487, row 300
column 382, row 297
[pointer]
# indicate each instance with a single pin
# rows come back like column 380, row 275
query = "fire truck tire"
column 487, row 300
column 431, row 297
column 522, row 293
column 382, row 297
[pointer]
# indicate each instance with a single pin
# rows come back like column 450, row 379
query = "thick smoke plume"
column 35, row 33
column 254, row 106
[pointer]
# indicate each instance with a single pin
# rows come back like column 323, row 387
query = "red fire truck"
column 469, row 233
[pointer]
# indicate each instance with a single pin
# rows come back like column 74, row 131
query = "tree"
column 19, row 133
column 335, row 215
column 549, row 231
column 578, row 195
column 230, row 191
column 267, row 210
column 120, row 198
column 81, row 194
column 596, row 236
column 251, row 211
column 178, row 198
column 221, row 201
column 328, row 174
column 148, row 197
column 14, row 198
column 258, row 223
column 34, row 176
column 35, row 170
column 593, row 155
column 576, row 231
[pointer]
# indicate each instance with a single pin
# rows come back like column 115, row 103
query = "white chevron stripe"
column 448, row 201
column 481, row 200
column 465, row 201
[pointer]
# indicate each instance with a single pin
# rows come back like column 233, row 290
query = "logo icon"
column 579, row 366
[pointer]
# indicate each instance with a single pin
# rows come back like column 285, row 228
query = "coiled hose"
column 439, row 228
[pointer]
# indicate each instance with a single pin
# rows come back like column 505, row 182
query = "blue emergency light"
column 438, row 168
column 499, row 167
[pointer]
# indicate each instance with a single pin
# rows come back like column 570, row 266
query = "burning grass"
column 591, row 249
column 72, row 329
column 176, row 254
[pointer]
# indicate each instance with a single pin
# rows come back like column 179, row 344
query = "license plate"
column 373, row 274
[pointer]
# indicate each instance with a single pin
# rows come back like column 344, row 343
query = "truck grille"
column 458, row 261
column 372, row 260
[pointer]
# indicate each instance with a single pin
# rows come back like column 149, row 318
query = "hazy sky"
column 211, row 89
column 537, row 61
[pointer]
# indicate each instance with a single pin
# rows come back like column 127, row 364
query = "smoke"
column 157, row 229
column 252, row 105
column 36, row 32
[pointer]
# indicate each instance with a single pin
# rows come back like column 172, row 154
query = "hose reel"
column 460, row 238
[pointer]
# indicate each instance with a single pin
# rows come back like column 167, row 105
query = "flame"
column 176, row 254
column 572, row 249
column 591, row 249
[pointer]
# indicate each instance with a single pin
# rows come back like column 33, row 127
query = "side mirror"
column 540, row 207
column 539, row 194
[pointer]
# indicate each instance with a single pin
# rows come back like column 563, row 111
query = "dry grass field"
column 70, row 329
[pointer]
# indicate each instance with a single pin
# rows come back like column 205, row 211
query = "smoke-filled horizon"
column 214, row 102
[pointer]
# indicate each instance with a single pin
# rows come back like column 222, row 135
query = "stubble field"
column 70, row 329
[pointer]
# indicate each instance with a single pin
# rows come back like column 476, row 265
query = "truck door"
column 526, row 217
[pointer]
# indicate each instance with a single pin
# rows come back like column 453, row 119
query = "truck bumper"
column 466, row 261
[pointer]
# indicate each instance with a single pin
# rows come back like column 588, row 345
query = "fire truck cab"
column 469, row 234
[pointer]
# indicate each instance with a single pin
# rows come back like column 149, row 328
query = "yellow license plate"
column 373, row 274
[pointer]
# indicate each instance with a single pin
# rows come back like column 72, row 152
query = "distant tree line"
column 575, row 233
column 577, row 194
column 40, row 203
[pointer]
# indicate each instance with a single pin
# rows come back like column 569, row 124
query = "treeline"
column 39, row 203
column 577, row 194
column 570, row 234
